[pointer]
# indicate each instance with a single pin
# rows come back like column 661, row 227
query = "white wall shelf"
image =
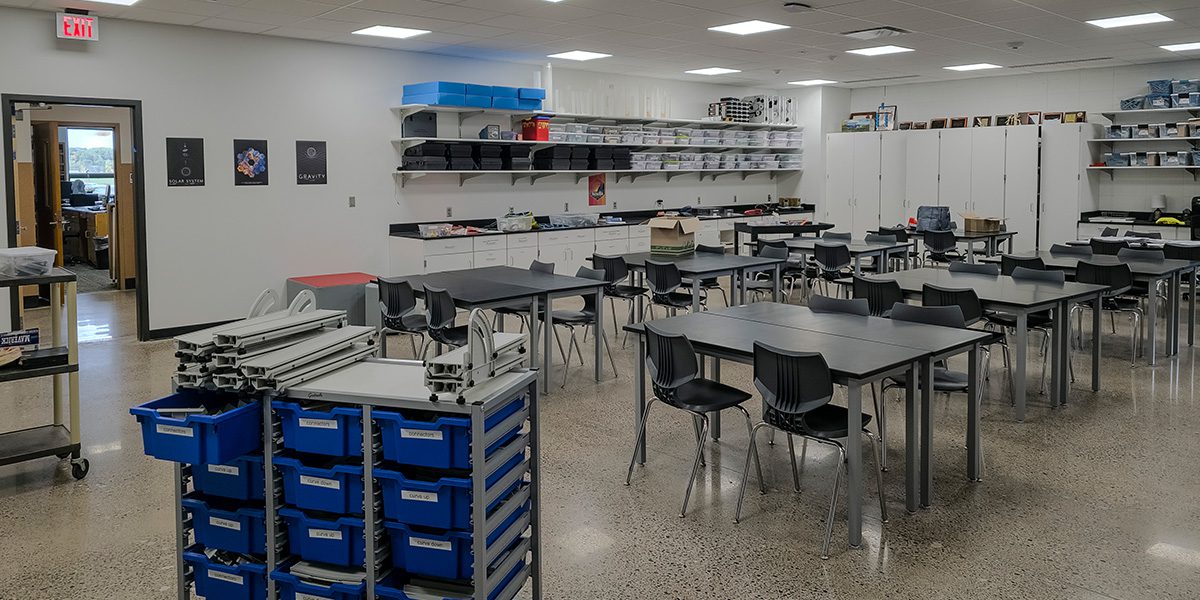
column 1143, row 140
column 1193, row 111
column 409, row 142
column 534, row 175
column 463, row 112
column 1193, row 169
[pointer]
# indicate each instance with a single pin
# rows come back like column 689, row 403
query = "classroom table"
column 1020, row 298
column 1149, row 272
column 702, row 265
column 860, row 351
column 756, row 229
column 858, row 249
column 991, row 241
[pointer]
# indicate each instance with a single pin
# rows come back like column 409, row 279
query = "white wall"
column 213, row 249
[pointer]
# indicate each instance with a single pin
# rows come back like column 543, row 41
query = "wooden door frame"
column 8, row 103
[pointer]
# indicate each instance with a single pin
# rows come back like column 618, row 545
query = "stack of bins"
column 430, row 487
column 217, row 440
column 321, row 469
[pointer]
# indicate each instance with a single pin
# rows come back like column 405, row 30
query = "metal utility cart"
column 60, row 438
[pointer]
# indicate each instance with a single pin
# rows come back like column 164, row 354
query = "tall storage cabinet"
column 894, row 207
column 1021, row 160
column 1067, row 191
column 852, row 174
column 922, row 165
column 954, row 173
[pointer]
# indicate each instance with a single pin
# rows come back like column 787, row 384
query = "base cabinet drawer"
column 522, row 257
column 521, row 240
column 641, row 244
column 490, row 258
column 612, row 248
column 490, row 242
column 449, row 262
column 448, row 246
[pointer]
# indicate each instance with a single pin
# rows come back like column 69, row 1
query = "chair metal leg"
column 750, row 431
column 695, row 465
column 608, row 348
column 880, row 425
column 751, row 451
column 640, row 432
column 795, row 469
column 837, row 480
column 1045, row 358
column 558, row 339
column 567, row 360
column 696, row 430
column 412, row 339
column 575, row 342
column 877, row 443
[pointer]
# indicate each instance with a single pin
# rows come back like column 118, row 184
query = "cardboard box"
column 673, row 235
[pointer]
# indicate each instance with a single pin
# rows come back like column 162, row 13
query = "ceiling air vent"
column 882, row 79
column 1061, row 62
column 876, row 33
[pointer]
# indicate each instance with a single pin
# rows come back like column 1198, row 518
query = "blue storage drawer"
column 241, row 479
column 334, row 489
column 392, row 588
column 437, row 87
column 242, row 530
column 500, row 91
column 474, row 89
column 442, row 443
column 479, row 101
column 216, row 581
column 505, row 103
column 329, row 432
column 525, row 104
column 337, row 542
column 197, row 438
column 437, row 99
column 443, row 554
column 445, row 502
column 291, row 587
column 531, row 93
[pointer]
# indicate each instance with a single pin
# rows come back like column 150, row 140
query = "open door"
column 48, row 178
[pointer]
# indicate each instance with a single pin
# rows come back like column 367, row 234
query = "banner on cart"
column 25, row 339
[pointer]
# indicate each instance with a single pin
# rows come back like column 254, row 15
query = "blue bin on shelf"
column 329, row 432
column 291, row 587
column 334, row 489
column 441, row 554
column 526, row 104
column 474, row 89
column 444, row 503
column 209, row 439
column 1159, row 86
column 337, row 542
column 505, row 103
column 444, row 443
column 531, row 93
column 500, row 91
column 240, row 479
column 437, row 99
column 242, row 530
column 216, row 581
column 435, row 87
column 392, row 588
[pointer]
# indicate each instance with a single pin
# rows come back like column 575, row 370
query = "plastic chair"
column 585, row 317
column 1109, row 232
column 831, row 260
column 1065, row 250
column 764, row 282
column 825, row 304
column 521, row 310
column 1141, row 289
column 796, row 389
column 941, row 247
column 398, row 312
column 1008, row 263
column 1119, row 281
column 674, row 377
column 965, row 299
column 440, row 314
column 901, row 235
column 709, row 283
column 616, row 270
column 1147, row 235
column 1106, row 247
column 1188, row 252
column 880, row 295
column 1142, row 255
column 1042, row 322
column 989, row 269
column 879, row 238
column 845, row 236
column 665, row 283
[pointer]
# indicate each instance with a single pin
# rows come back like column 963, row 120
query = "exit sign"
column 78, row 27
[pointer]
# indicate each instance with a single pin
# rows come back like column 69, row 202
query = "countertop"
column 1140, row 219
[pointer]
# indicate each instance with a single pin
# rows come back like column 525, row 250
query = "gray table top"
column 995, row 291
column 56, row 275
column 489, row 285
column 1068, row 262
column 702, row 263
column 970, row 235
column 757, row 228
column 855, row 246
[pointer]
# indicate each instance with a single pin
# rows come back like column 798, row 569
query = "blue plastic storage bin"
column 1158, row 101
column 474, row 89
column 436, row 87
column 1159, row 86
column 441, row 554
column 334, row 489
column 210, row 439
column 337, row 542
column 525, row 104
column 1134, row 103
column 505, row 103
column 479, row 101
column 1185, row 100
column 500, row 91
column 437, row 99
column 444, row 443
column 443, row 503
column 216, row 581
column 531, row 93
column 240, row 479
column 392, row 588
column 242, row 530
column 329, row 432
column 291, row 587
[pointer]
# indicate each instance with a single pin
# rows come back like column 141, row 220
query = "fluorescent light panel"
column 880, row 50
column 974, row 67
column 749, row 27
column 1130, row 20
column 1182, row 47
column 117, row 2
column 579, row 55
column 808, row 82
column 712, row 71
column 399, row 33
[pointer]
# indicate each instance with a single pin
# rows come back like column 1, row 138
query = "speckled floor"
column 1093, row 501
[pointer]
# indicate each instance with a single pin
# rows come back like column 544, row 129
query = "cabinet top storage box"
column 439, row 87
column 531, row 93
column 26, row 261
column 673, row 235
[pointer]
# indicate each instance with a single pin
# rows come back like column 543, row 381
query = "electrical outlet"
column 449, row 212
column 698, row 202
column 353, row 201
column 614, row 205
column 566, row 207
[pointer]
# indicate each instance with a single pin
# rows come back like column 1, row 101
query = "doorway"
column 75, row 185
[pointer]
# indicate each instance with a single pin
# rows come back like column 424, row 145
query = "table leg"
column 1056, row 334
column 912, row 432
column 598, row 333
column 854, row 469
column 1152, row 324
column 1019, row 376
column 776, row 289
column 639, row 396
column 696, row 294
column 1099, row 301
column 970, row 251
column 1192, row 310
column 640, row 281
column 547, row 341
column 1174, row 295
column 927, row 432
column 858, row 265
column 714, row 419
column 737, row 241
column 974, row 454
column 533, row 338
column 1064, row 349
column 57, row 293
column 884, row 259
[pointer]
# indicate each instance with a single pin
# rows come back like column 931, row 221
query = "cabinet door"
column 893, row 205
column 522, row 257
column 1062, row 176
column 921, row 170
column 987, row 170
column 559, row 254
column 954, row 173
column 490, row 258
column 866, row 183
column 577, row 256
column 1021, row 186
column 449, row 262
column 612, row 247
column 839, row 179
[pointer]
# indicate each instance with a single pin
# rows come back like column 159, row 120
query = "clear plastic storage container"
column 27, row 261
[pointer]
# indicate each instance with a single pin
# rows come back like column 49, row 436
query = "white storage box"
column 26, row 261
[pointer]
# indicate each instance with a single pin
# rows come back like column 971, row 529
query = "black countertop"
column 1140, row 219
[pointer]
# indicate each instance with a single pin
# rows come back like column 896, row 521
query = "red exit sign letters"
column 78, row 27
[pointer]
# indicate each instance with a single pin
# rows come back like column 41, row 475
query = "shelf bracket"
column 463, row 177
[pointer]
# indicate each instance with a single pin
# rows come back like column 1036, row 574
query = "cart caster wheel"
column 79, row 470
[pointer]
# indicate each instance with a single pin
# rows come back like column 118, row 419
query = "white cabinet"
column 987, row 170
column 866, row 183
column 954, row 173
column 522, row 257
column 710, row 233
column 567, row 249
column 449, row 262
column 1021, row 187
column 490, row 258
column 852, row 181
column 893, row 180
column 1067, row 191
column 614, row 247
column 922, row 165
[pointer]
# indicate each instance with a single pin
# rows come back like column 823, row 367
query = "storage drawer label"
column 319, row 423
column 301, row 596
column 325, row 534
column 422, row 434
column 226, row 577
column 418, row 496
column 224, row 523
column 224, row 470
column 430, row 544
column 174, row 430
column 329, row 484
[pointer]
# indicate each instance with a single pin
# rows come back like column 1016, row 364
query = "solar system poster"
column 311, row 166
column 185, row 162
column 250, row 162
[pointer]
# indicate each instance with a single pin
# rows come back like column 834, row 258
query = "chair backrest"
column 589, row 300
column 1028, row 274
column 879, row 238
column 1065, row 250
column 774, row 252
column 1147, row 255
column 396, row 297
column 900, row 233
column 538, row 266
column 944, row 316
column 710, row 249
column 791, row 383
column 1188, row 252
column 1008, row 263
column 662, row 277
column 880, row 295
column 831, row 257
column 977, row 268
column 965, row 299
column 1108, row 232
column 1118, row 278
column 614, row 267
column 762, row 244
column 440, row 309
column 940, row 242
column 837, row 235
column 671, row 361
column 1106, row 247
column 825, row 304
column 1149, row 235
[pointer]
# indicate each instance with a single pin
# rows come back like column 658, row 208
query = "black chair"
column 901, row 235
column 965, row 299
column 796, row 389
column 989, row 269
column 1141, row 289
column 880, row 295
column 521, row 310
column 1119, row 281
column 1109, row 232
column 1142, row 255
column 665, row 283
column 440, row 313
column 1147, row 235
column 398, row 312
column 586, row 317
column 831, row 262
column 1065, row 250
column 941, row 247
column 825, row 304
column 1008, row 263
column 1110, row 248
column 674, row 376
column 763, row 282
column 616, row 271
column 1189, row 252
column 890, row 256
column 844, row 236
column 1043, row 321
column 709, row 283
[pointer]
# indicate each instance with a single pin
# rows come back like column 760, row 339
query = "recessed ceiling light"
column 974, row 67
column 880, row 50
column 400, row 33
column 749, row 27
column 712, row 71
column 579, row 55
column 1130, row 20
column 118, row 2
column 1182, row 47
column 812, row 82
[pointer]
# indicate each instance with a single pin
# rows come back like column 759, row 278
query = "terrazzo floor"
column 1097, row 500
